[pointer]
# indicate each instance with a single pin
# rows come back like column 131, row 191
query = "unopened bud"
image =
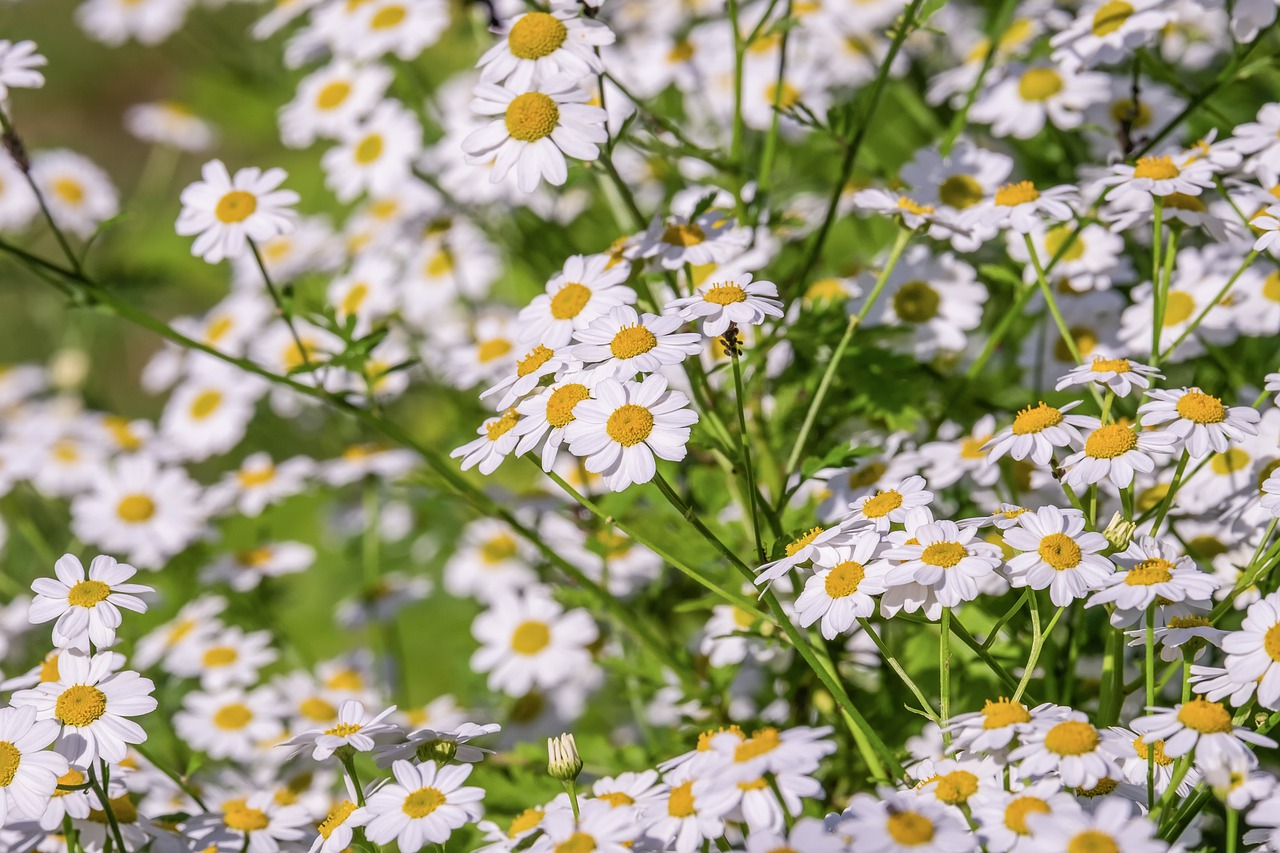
column 563, row 761
column 68, row 369
column 1119, row 532
column 439, row 750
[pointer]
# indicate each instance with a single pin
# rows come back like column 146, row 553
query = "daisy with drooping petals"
column 1021, row 207
column 841, row 590
column 538, row 45
column 587, row 287
column 497, row 439
column 620, row 430
column 87, row 607
column 1160, row 571
column 1069, row 746
column 1114, row 452
column 1202, row 725
column 1037, row 431
column 536, row 130
column 1202, row 421
column 1057, row 554
column 424, row 805
column 228, row 212
column 354, row 729
column 806, row 547
column 18, row 64
column 1119, row 375
column 623, row 343
column 30, row 772
column 92, row 704
column 737, row 299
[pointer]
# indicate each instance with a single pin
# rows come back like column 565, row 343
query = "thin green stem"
column 349, row 764
column 1167, row 501
column 944, row 675
column 1150, row 677
column 745, row 445
column 1209, row 306
column 99, row 788
column 894, row 664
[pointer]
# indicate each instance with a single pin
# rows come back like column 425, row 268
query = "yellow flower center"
column 1015, row 814
column 916, row 302
column 1012, row 195
column 680, row 803
column 332, row 95
column 569, row 300
column 235, row 206
column 1110, row 365
column 88, row 594
column 617, row 799
column 803, row 542
column 69, row 190
column 1055, row 238
column 1234, row 459
column 1122, row 111
column 135, row 509
column 336, row 818
column 683, row 235
column 233, row 717
column 1072, row 737
column 530, row 637
column 1004, row 712
column 1271, row 642
column 724, row 294
column 525, row 821
column 220, row 656
column 910, row 206
column 388, row 17
column 882, row 504
column 343, row 729
column 1039, row 84
column 1091, row 840
column 535, row 35
column 1189, row 622
column 579, row 842
column 423, row 802
column 1060, row 551
column 1178, row 308
column 1142, row 749
column 761, row 742
column 80, row 705
column 10, row 758
column 531, row 116
column 1108, row 19
column 315, row 708
column 1205, row 716
column 369, row 149
column 910, row 829
column 439, row 264
column 1182, row 201
column 240, row 817
column 492, row 349
column 1103, row 788
column 844, row 579
column 1201, row 408
column 539, row 356
column 501, row 425
column 1149, row 573
column 499, row 548
column 1032, row 420
column 631, row 341
column 1110, row 441
column 944, row 554
column 960, row 192
column 1156, row 168
column 256, row 476
column 629, row 424
column 205, row 404
column 561, row 404
column 122, row 809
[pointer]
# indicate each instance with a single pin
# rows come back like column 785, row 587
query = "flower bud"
column 440, row 750
column 563, row 762
column 1119, row 532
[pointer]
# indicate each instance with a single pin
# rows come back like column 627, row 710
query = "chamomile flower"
column 1119, row 375
column 114, row 22
column 806, row 547
column 1253, row 652
column 257, row 823
column 331, row 100
column 1028, row 96
column 535, row 131
column 169, row 124
column 1037, row 432
column 539, row 363
column 904, row 822
column 355, row 730
column 529, row 641
column 937, row 297
column 421, row 744
column 224, row 213
column 78, row 192
column 1111, row 826
column 229, row 723
column 227, row 657
column 87, row 607
column 1159, row 175
column 993, row 728
column 722, row 302
column 245, row 570
column 1114, row 452
column 1057, row 554
column 538, row 45
column 374, row 156
column 891, row 504
column 18, row 64
column 497, row 439
column 1200, row 420
column 545, row 416
column 1002, row 816
column 92, row 702
column 31, row 772
column 841, row 589
column 1202, row 725
column 587, row 287
column 623, row 343
column 712, row 237
column 258, row 483
column 337, row 829
column 1105, row 31
column 625, row 425
column 1159, row 571
column 1022, row 207
column 693, row 810
column 599, row 827
column 1069, row 746
column 424, row 805
column 946, row 559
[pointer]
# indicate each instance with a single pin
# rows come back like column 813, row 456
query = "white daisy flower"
column 548, row 413
column 996, row 726
column 169, row 124
column 937, row 297
column 1111, row 826
column 586, row 288
column 1136, row 758
column 942, row 222
column 620, row 430
column 806, row 547
column 1253, row 652
column 260, row 482
column 1202, row 725
column 18, row 64
column 1037, row 432
column 1069, row 746
column 354, row 731
column 1106, row 31
column 1114, row 452
column 1199, row 419
column 114, row 22
column 227, row 657
column 228, row 212
column 337, row 829
column 623, row 343
column 904, row 822
column 711, row 238
column 599, row 827
column 890, row 505
column 424, row 805
column 1057, row 554
column 1235, row 781
column 87, row 607
column 1160, row 572
column 92, row 703
column 497, row 439
column 539, row 363
column 230, row 722
column 536, row 130
column 1120, row 375
column 1002, row 816
column 29, row 772
column 1022, row 208
column 1158, row 175
column 946, row 560
column 421, row 744
column 374, row 156
column 538, row 45
column 846, row 577
column 529, row 641
column 736, row 299
column 245, row 570
column 78, row 192
column 693, row 811
column 331, row 100
column 1026, row 97
column 254, row 824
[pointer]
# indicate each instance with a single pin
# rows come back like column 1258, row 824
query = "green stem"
column 1233, row 829
column 1217, row 299
column 745, row 445
column 887, row 655
column 764, row 174
column 1151, row 700
column 58, row 233
column 349, row 764
column 286, row 311
column 99, row 788
column 944, row 675
column 1167, row 501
